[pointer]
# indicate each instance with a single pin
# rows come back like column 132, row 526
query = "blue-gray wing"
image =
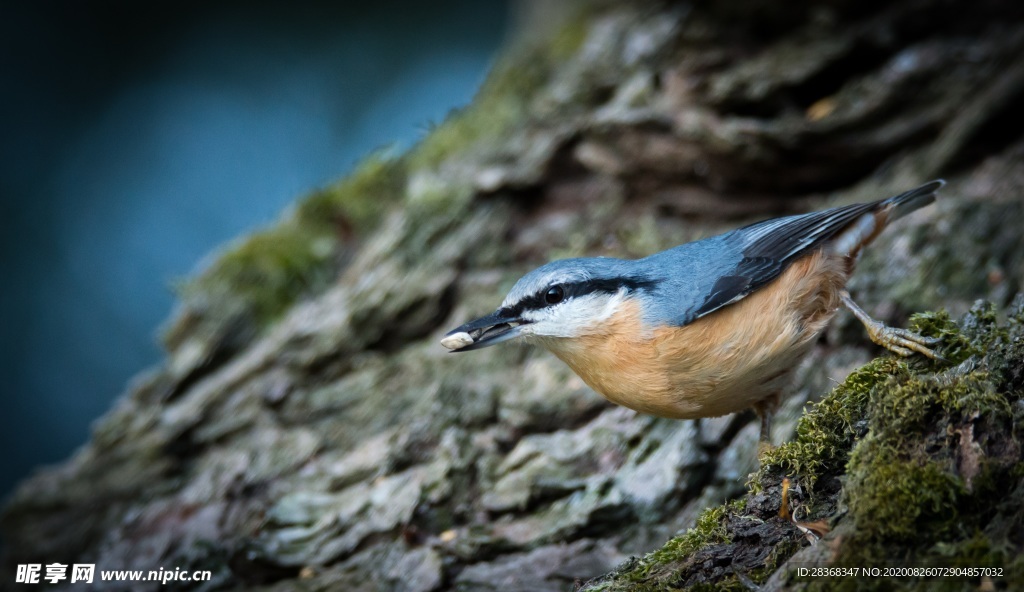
column 768, row 247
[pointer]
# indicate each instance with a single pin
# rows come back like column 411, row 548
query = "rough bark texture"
column 307, row 431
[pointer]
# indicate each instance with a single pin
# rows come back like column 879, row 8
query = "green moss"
column 445, row 202
column 979, row 332
column 506, row 96
column 652, row 572
column 262, row 275
column 657, row 572
column 939, row 447
column 828, row 429
column 501, row 102
column 977, row 550
column 357, row 201
column 956, row 347
column 895, row 495
column 708, row 530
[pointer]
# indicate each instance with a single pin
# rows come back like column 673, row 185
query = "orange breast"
column 721, row 363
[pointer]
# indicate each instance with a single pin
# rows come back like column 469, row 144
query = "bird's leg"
column 765, row 410
column 900, row 341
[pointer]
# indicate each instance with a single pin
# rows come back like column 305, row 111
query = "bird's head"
column 564, row 299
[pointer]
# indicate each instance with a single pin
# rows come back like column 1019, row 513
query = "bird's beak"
column 483, row 332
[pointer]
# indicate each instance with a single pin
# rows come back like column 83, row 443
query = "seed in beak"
column 457, row 340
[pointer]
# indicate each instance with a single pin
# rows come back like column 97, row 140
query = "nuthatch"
column 707, row 328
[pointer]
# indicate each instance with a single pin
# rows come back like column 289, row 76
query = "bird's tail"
column 904, row 203
column 864, row 229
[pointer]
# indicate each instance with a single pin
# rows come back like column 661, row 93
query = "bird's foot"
column 899, row 341
column 902, row 341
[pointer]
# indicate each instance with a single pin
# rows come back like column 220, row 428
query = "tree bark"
column 307, row 431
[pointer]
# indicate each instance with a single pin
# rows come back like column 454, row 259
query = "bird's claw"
column 902, row 341
column 899, row 341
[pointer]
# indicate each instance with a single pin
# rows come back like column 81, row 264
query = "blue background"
column 137, row 138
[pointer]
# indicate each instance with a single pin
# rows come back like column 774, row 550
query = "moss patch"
column 261, row 276
column 729, row 547
column 936, row 480
column 710, row 529
column 356, row 202
column 507, row 95
column 826, row 432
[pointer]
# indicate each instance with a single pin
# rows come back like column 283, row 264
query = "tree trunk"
column 307, row 430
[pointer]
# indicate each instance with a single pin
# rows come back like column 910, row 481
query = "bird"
column 706, row 328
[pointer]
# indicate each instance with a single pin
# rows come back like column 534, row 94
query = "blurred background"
column 136, row 138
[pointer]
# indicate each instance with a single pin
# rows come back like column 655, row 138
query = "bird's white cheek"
column 594, row 314
column 547, row 329
column 552, row 324
column 611, row 306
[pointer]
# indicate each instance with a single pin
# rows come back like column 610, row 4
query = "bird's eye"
column 554, row 295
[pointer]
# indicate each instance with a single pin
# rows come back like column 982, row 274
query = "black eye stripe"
column 538, row 300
